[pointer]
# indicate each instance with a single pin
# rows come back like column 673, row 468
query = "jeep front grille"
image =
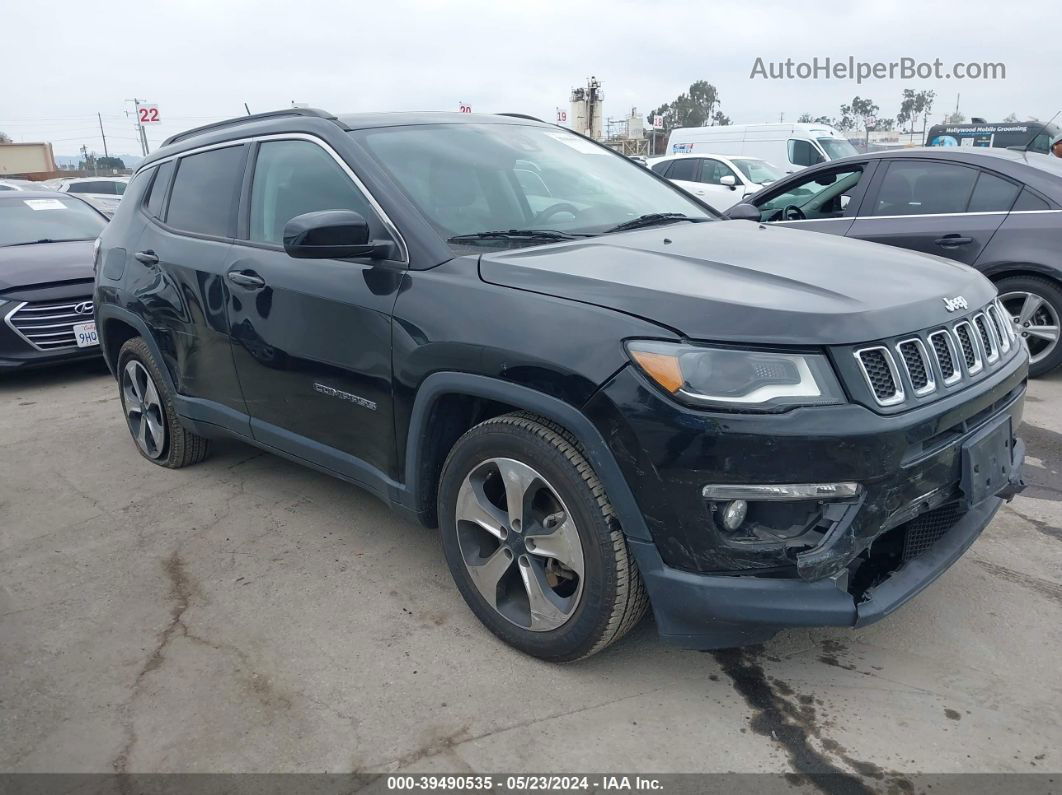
column 50, row 326
column 916, row 362
column 924, row 363
column 880, row 371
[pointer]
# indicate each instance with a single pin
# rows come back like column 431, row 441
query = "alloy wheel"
column 520, row 544
column 1035, row 319
column 143, row 409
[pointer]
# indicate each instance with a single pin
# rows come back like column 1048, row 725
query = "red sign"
column 464, row 108
column 148, row 114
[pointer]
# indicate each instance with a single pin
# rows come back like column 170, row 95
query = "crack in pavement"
column 453, row 740
column 181, row 590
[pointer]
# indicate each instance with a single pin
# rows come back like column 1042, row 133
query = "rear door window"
column 206, row 192
column 924, row 187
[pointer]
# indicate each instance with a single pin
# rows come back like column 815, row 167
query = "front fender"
column 593, row 444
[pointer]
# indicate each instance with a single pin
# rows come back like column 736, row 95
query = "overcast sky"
column 200, row 60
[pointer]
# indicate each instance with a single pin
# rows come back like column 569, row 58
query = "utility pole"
column 141, row 133
column 104, row 137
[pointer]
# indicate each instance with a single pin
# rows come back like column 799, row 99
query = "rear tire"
column 561, row 549
column 148, row 406
column 1018, row 293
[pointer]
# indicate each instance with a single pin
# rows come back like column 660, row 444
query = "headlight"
column 739, row 380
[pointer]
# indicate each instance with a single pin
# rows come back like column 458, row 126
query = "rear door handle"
column 148, row 257
column 246, row 279
column 953, row 241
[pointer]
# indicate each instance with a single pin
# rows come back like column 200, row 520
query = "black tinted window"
column 686, row 169
column 661, row 168
column 1030, row 201
column 157, row 195
column 992, row 194
column 802, row 153
column 103, row 186
column 296, row 177
column 914, row 187
column 205, row 191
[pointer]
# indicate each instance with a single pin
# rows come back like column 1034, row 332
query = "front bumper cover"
column 706, row 611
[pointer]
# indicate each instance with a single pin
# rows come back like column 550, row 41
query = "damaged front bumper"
column 931, row 480
column 712, row 612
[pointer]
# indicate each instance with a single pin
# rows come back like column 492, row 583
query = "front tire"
column 1035, row 305
column 149, row 412
column 532, row 542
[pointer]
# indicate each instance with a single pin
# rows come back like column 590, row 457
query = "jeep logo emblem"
column 958, row 302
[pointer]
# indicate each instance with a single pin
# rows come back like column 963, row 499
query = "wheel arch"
column 117, row 326
column 432, row 434
column 1005, row 269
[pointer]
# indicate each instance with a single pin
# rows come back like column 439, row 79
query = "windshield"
column 759, row 171
column 474, row 178
column 836, row 148
column 25, row 221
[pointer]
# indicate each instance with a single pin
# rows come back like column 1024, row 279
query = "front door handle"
column 953, row 241
column 148, row 257
column 246, row 279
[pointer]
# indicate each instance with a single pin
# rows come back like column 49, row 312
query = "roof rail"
column 521, row 116
column 273, row 114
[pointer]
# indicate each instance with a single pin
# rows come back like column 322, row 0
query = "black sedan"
column 995, row 209
column 46, row 263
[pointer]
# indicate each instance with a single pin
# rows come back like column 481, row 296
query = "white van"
column 790, row 146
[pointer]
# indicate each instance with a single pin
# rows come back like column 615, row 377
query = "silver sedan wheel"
column 143, row 409
column 520, row 544
column 1035, row 320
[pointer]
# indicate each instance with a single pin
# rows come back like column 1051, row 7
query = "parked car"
column 46, row 249
column 790, row 146
column 716, row 180
column 604, row 396
column 1033, row 136
column 103, row 193
column 997, row 210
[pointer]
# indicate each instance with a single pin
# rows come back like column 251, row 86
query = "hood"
column 45, row 263
column 739, row 281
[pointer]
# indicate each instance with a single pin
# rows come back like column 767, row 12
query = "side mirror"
column 729, row 181
column 328, row 234
column 743, row 212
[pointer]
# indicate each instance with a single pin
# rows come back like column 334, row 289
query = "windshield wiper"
column 652, row 219
column 46, row 240
column 515, row 234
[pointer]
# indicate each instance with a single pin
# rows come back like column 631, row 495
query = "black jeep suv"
column 603, row 395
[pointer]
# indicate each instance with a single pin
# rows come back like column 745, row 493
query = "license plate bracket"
column 987, row 461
